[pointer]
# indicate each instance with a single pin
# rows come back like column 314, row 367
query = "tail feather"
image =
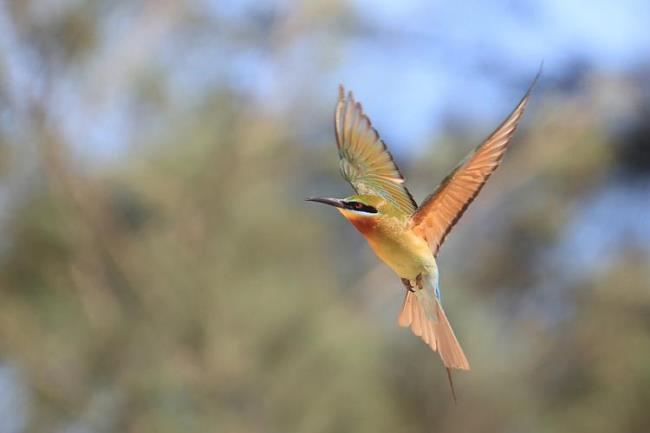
column 428, row 333
column 416, row 326
column 450, row 351
column 451, row 385
column 406, row 314
column 436, row 334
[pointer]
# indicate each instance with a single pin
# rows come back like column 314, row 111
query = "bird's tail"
column 423, row 312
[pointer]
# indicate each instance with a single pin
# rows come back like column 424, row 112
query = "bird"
column 405, row 236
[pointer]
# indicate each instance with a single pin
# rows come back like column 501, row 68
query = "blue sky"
column 474, row 56
column 413, row 63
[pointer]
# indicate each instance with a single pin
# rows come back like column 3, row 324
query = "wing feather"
column 443, row 208
column 365, row 161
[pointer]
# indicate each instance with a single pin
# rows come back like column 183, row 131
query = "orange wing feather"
column 443, row 208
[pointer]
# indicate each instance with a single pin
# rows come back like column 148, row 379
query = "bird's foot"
column 418, row 282
column 407, row 284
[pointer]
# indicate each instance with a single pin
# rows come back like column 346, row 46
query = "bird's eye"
column 358, row 206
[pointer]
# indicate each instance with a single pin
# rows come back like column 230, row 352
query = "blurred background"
column 160, row 271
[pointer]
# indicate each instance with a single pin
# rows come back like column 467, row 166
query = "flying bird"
column 405, row 236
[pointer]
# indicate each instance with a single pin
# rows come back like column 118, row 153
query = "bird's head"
column 364, row 211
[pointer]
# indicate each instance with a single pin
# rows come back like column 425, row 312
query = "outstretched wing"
column 365, row 161
column 441, row 210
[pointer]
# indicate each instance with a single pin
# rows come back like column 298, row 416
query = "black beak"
column 330, row 201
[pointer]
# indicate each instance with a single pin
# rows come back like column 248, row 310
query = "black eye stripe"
column 355, row 205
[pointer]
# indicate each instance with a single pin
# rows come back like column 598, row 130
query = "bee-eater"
column 407, row 237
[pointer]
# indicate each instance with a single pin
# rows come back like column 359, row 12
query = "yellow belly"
column 406, row 253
